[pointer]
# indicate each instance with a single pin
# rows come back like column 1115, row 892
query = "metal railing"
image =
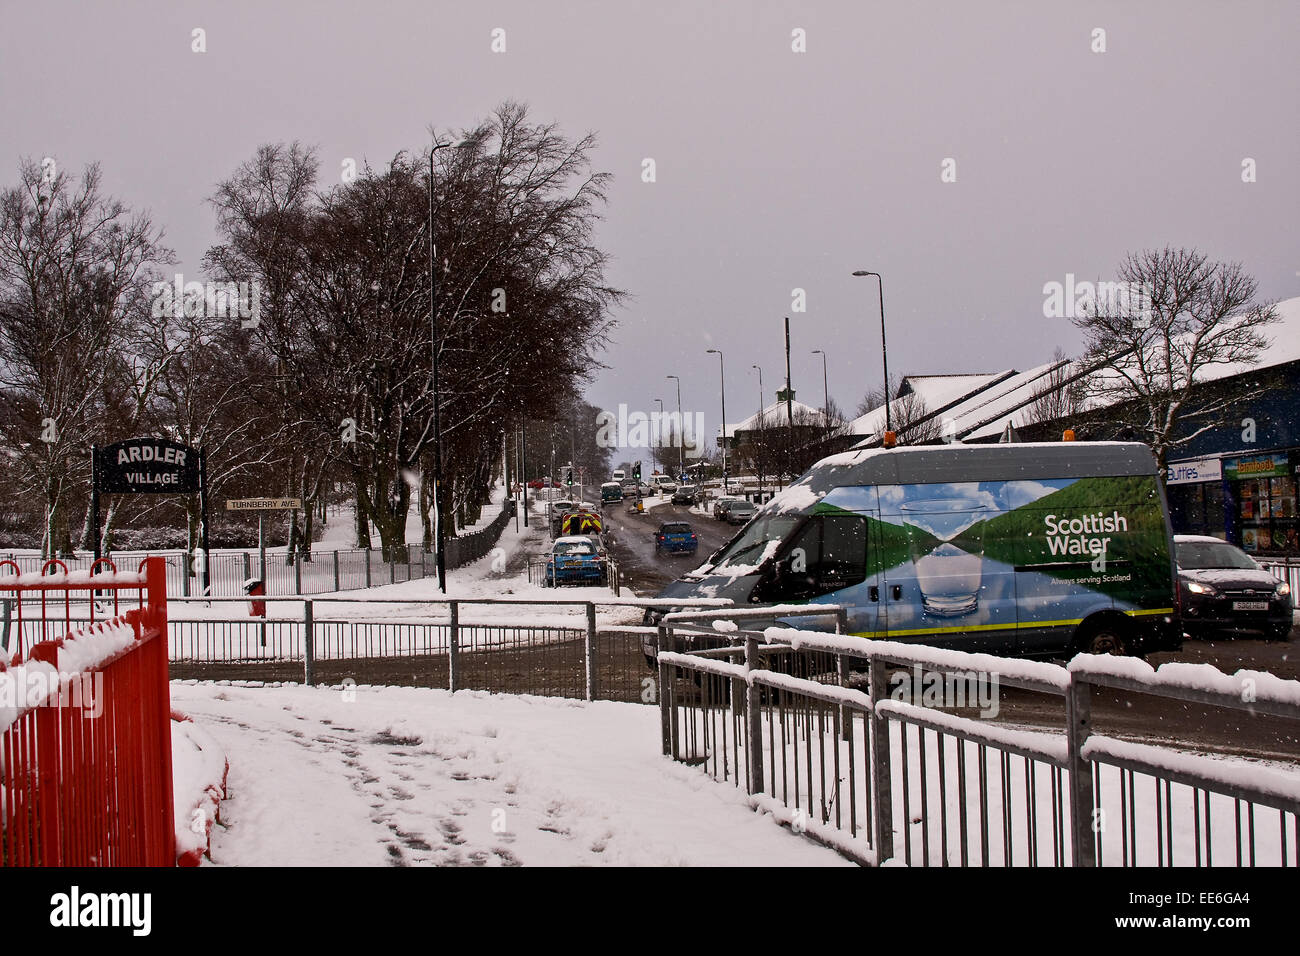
column 86, row 772
column 317, row 572
column 814, row 727
column 552, row 647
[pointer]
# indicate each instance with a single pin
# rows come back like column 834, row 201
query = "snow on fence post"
column 453, row 646
column 1078, row 725
column 308, row 644
column 883, row 837
column 754, row 717
column 590, row 649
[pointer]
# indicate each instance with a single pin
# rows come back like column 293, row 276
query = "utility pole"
column 789, row 406
column 722, row 373
column 681, row 447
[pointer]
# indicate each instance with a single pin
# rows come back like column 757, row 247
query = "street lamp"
column 440, row 545
column 681, row 450
column 654, row 451
column 760, row 392
column 884, row 354
column 826, row 395
column 722, row 372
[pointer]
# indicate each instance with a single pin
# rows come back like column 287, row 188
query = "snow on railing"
column 902, row 773
column 85, row 722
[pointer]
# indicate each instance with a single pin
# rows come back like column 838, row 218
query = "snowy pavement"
column 409, row 776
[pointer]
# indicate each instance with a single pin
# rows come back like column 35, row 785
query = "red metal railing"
column 85, row 748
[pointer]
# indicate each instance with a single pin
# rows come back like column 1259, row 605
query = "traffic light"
column 568, row 475
column 636, row 471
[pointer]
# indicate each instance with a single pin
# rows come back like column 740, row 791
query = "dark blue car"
column 676, row 536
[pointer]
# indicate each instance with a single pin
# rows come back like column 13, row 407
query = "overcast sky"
column 775, row 170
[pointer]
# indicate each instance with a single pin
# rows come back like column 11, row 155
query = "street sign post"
column 150, row 466
column 261, row 505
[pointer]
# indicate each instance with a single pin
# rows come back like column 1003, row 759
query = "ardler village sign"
column 148, row 466
column 151, row 466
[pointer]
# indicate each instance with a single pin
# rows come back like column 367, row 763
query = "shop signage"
column 1196, row 470
column 1256, row 466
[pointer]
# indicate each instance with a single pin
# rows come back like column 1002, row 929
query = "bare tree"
column 1058, row 397
column 75, row 268
column 1201, row 314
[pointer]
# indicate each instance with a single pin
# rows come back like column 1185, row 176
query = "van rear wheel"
column 1104, row 638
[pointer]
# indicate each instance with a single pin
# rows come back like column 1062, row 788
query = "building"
column 1236, row 480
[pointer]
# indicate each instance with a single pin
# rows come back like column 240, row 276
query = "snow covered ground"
column 396, row 776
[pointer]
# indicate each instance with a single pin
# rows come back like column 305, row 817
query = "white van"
column 619, row 475
column 662, row 484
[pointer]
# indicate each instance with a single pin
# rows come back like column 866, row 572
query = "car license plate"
column 1250, row 605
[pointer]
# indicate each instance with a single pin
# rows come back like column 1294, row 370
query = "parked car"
column 676, row 537
column 722, row 504
column 738, row 512
column 543, row 483
column 686, row 495
column 1224, row 591
column 575, row 559
column 662, row 484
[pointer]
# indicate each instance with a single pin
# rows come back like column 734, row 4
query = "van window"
column 828, row 553
column 756, row 543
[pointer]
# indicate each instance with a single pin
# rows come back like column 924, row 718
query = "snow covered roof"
column 937, row 392
column 992, row 402
column 1284, row 347
column 772, row 416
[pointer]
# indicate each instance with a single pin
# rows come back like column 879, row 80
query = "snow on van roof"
column 1059, row 458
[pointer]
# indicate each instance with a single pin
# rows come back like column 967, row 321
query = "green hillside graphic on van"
column 1107, row 533
column 980, row 553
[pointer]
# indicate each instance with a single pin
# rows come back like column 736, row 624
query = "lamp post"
column 884, row 353
column 655, row 450
column 758, row 430
column 826, row 395
column 722, row 373
column 681, row 450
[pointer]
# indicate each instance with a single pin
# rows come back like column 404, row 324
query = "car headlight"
column 1196, row 587
column 1283, row 590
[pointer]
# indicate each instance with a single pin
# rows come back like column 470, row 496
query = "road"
column 631, row 540
column 1211, row 729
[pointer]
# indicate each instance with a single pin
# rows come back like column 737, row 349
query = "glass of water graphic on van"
column 946, row 544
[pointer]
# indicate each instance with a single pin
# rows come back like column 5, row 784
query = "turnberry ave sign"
column 263, row 504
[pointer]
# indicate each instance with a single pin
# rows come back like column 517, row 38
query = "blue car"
column 575, row 559
column 676, row 537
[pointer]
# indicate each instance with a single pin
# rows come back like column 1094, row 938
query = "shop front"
column 1263, row 491
column 1247, row 499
